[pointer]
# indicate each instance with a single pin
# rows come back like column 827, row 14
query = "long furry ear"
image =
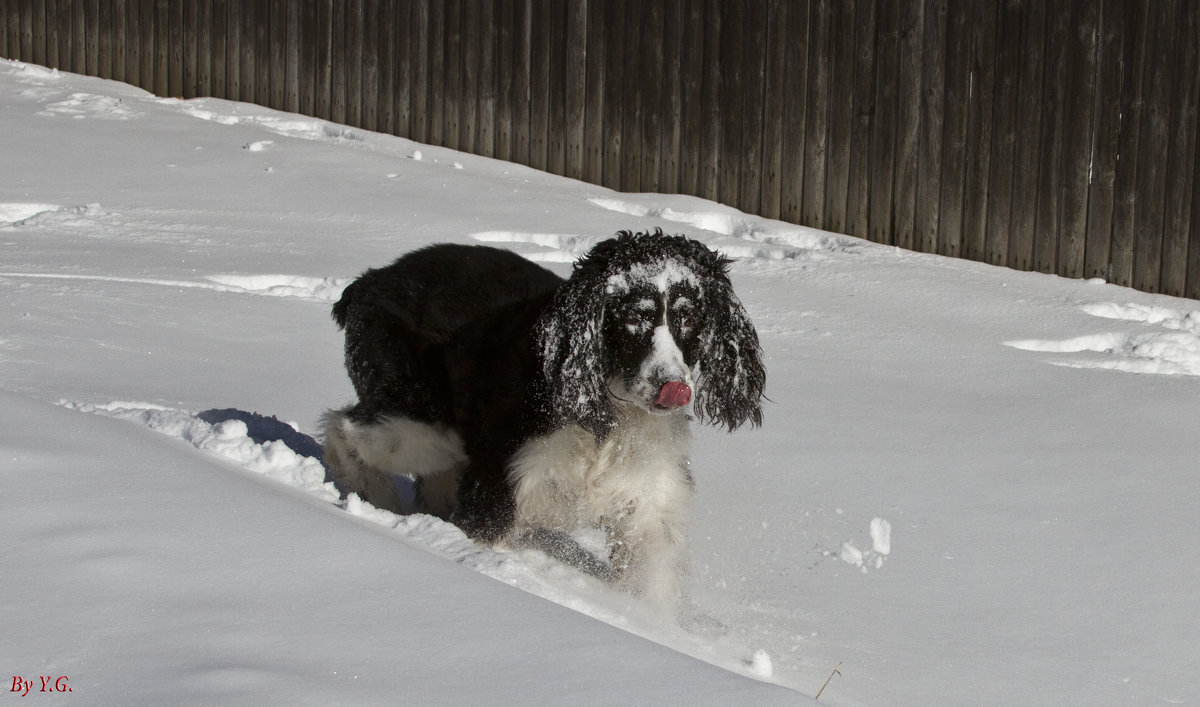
column 570, row 341
column 732, row 376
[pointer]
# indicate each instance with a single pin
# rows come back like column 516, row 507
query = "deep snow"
column 973, row 486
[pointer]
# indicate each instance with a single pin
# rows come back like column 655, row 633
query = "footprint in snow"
column 1167, row 344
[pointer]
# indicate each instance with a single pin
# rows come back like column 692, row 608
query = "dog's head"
column 651, row 320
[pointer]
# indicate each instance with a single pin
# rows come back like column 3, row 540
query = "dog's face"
column 653, row 327
column 650, row 320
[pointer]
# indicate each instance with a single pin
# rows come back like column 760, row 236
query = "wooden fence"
column 1050, row 135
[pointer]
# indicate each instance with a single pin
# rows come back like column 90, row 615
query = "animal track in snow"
column 1170, row 347
column 88, row 105
column 317, row 289
column 21, row 213
column 550, row 247
column 287, row 125
column 745, row 239
column 320, row 289
column 881, row 547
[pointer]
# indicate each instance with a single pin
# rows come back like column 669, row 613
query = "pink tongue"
column 674, row 395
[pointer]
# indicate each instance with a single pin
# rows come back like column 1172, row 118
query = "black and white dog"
column 528, row 407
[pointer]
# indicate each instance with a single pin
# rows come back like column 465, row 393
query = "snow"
column 973, row 485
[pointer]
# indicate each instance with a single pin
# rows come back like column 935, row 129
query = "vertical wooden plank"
column 368, row 100
column 105, row 38
column 1193, row 279
column 190, row 36
column 594, row 105
column 437, row 73
column 505, row 51
column 957, row 95
column 294, row 59
column 933, row 111
column 1181, row 154
column 729, row 109
column 817, row 120
column 1049, row 176
column 468, row 125
column 1135, row 22
column 650, row 97
column 91, row 41
column 614, row 78
column 631, row 106
column 12, row 33
column 984, row 26
column 489, row 68
column 1028, row 132
column 4, row 16
column 908, row 123
column 79, row 38
column 522, row 48
column 1106, row 128
column 120, row 46
column 452, row 73
column 249, row 51
column 402, row 26
column 795, row 107
column 146, row 45
column 539, row 31
column 322, row 34
column 262, row 33
column 1078, row 156
column 202, row 66
column 556, row 80
column 67, row 26
column 52, row 21
column 773, row 112
column 710, row 100
column 133, row 42
column 865, row 112
column 671, row 122
column 37, row 29
column 882, row 165
column 339, row 65
column 421, row 52
column 220, row 48
column 40, row 30
column 754, row 64
column 1153, row 148
column 840, row 95
column 233, row 52
column 25, row 16
column 168, row 48
column 1193, row 283
column 385, row 22
column 1004, row 122
column 575, row 85
column 691, row 105
column 353, row 57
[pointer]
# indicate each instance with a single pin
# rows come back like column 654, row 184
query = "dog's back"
column 405, row 325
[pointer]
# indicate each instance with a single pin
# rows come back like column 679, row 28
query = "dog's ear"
column 732, row 376
column 570, row 340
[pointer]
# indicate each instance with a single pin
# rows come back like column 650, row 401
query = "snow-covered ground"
column 974, row 486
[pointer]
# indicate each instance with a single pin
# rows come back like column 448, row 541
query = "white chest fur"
column 634, row 484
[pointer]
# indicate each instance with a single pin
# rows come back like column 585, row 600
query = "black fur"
column 500, row 350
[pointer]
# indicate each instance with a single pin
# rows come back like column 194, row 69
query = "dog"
column 528, row 408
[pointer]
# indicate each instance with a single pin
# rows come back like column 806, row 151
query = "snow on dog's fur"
column 527, row 407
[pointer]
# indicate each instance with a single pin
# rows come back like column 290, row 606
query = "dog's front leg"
column 647, row 557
